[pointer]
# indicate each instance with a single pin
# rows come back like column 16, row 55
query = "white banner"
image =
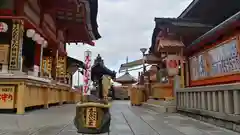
column 87, row 73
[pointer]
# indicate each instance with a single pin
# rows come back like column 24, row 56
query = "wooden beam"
column 19, row 7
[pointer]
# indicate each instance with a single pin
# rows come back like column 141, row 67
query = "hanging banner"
column 61, row 64
column 16, row 45
column 172, row 63
column 87, row 73
column 46, row 66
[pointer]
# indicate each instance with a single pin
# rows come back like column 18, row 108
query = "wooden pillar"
column 37, row 59
column 46, row 97
column 187, row 71
column 61, row 97
column 21, row 98
column 146, row 85
column 41, row 61
column 182, row 70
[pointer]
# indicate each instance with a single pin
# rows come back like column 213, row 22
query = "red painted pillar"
column 19, row 7
column 37, row 59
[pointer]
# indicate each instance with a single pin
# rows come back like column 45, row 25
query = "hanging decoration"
column 87, row 73
column 172, row 63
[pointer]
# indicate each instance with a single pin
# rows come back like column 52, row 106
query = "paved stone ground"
column 126, row 120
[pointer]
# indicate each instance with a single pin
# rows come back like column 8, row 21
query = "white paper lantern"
column 30, row 33
column 45, row 44
column 4, row 27
column 36, row 37
column 40, row 41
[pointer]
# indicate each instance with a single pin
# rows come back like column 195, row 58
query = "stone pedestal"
column 36, row 70
column 4, row 69
column 161, row 106
column 92, row 118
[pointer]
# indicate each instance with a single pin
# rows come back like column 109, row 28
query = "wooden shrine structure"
column 98, row 70
column 33, row 38
column 208, row 87
column 126, row 80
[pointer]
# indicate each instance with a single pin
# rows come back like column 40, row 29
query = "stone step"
column 160, row 106
column 161, row 102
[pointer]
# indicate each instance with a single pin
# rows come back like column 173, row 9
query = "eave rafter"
column 71, row 16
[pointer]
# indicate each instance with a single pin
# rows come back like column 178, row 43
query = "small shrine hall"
column 33, row 38
column 126, row 79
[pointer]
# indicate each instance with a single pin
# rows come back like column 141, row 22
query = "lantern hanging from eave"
column 172, row 64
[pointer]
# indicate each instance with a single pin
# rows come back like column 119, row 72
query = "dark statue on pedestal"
column 93, row 116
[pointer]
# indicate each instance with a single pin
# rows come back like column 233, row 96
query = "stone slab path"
column 126, row 120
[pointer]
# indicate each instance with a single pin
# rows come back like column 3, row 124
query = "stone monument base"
column 92, row 118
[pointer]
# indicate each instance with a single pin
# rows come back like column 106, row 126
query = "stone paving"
column 126, row 120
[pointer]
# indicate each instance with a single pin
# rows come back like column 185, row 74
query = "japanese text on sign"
column 221, row 60
column 87, row 73
column 61, row 70
column 91, row 119
column 16, row 44
column 7, row 96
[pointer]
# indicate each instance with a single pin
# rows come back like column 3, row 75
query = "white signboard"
column 223, row 59
column 172, row 63
column 87, row 73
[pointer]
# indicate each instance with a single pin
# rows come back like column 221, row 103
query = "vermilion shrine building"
column 208, row 33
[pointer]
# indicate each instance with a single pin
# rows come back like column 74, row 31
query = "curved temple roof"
column 177, row 25
column 99, row 69
column 73, row 65
column 74, row 16
column 207, row 12
column 93, row 13
column 126, row 78
column 231, row 23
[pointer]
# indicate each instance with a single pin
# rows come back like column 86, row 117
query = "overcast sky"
column 125, row 27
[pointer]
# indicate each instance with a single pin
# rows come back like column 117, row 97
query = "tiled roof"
column 126, row 78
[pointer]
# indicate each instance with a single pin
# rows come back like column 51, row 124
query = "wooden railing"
column 220, row 102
